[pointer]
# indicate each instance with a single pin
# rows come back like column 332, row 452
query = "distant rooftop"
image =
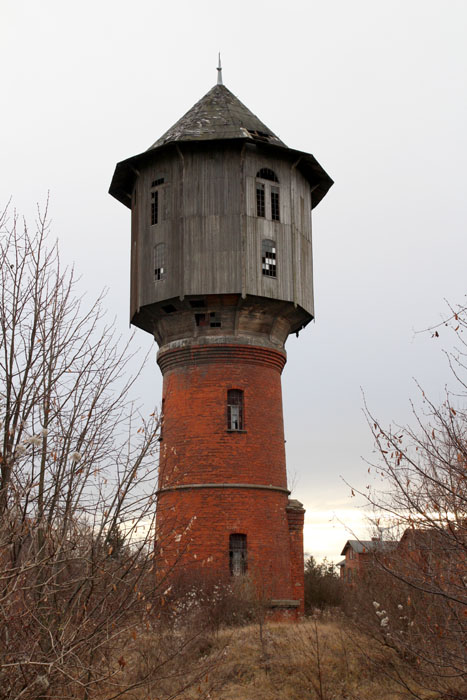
column 363, row 546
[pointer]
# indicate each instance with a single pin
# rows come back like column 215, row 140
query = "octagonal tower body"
column 221, row 274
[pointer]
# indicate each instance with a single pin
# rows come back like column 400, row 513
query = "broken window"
column 235, row 409
column 275, row 216
column 268, row 258
column 212, row 319
column 260, row 201
column 159, row 262
column 215, row 319
column 237, row 554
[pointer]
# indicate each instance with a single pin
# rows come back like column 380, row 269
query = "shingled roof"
column 218, row 115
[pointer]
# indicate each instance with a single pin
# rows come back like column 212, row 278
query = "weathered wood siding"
column 212, row 235
column 292, row 234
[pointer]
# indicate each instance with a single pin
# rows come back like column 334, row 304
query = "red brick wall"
column 296, row 518
column 197, row 448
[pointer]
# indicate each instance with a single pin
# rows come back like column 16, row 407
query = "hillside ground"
column 321, row 658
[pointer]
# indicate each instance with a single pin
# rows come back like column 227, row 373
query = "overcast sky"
column 375, row 89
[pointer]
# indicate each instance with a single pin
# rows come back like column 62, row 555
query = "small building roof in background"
column 365, row 546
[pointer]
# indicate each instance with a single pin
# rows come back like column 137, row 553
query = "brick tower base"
column 215, row 482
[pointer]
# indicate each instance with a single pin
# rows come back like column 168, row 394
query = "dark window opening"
column 267, row 174
column 260, row 201
column 237, row 554
column 268, row 258
column 154, row 207
column 159, row 262
column 169, row 308
column 275, row 216
column 197, row 303
column 215, row 319
column 156, row 183
column 235, row 409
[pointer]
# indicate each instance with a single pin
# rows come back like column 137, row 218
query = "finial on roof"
column 219, row 72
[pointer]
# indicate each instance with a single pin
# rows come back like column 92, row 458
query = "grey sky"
column 376, row 90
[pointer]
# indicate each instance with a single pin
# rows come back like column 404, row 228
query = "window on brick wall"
column 235, row 409
column 237, row 554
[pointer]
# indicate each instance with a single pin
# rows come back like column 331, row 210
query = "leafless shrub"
column 423, row 495
column 77, row 487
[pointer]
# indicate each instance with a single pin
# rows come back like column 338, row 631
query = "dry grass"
column 321, row 659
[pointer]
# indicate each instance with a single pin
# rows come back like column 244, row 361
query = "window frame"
column 268, row 258
column 238, row 554
column 235, row 410
column 268, row 200
column 160, row 263
column 156, row 200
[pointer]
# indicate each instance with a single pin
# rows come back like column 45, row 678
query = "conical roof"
column 218, row 115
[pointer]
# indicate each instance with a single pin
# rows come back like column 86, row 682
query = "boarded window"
column 275, row 215
column 260, row 201
column 159, row 262
column 237, row 554
column 235, row 409
column 268, row 258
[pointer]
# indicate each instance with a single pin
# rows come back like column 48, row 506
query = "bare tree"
column 77, row 486
column 422, row 585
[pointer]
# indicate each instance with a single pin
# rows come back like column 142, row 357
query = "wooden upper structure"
column 199, row 233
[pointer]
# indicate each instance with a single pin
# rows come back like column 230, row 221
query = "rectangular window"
column 237, row 554
column 268, row 258
column 214, row 319
column 260, row 201
column 235, row 409
column 275, row 204
column 154, row 207
column 159, row 262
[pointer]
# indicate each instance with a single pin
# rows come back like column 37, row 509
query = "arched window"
column 159, row 262
column 265, row 192
column 235, row 409
column 237, row 554
column 267, row 174
column 268, row 258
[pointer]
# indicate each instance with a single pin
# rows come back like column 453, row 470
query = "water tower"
column 221, row 274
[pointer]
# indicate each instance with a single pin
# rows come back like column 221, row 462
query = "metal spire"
column 219, row 72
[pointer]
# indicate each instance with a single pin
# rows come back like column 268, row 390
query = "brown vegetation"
column 321, row 659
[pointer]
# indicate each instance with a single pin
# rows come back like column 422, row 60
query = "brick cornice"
column 213, row 353
column 184, row 487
